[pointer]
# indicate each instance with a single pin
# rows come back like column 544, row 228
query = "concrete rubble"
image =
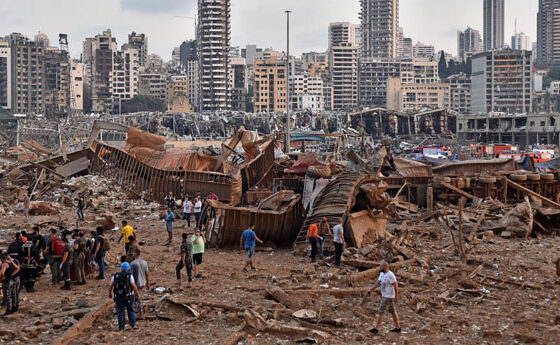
column 474, row 243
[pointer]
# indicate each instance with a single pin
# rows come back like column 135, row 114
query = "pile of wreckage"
column 283, row 194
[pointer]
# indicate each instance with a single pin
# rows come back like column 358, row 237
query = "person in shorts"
column 169, row 219
column 389, row 297
column 248, row 242
column 198, row 241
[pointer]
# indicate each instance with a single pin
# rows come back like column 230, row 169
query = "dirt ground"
column 513, row 297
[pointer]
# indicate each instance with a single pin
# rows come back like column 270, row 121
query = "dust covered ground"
column 506, row 292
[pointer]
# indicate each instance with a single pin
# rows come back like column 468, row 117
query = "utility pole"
column 287, row 142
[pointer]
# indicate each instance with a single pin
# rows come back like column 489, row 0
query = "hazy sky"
column 260, row 22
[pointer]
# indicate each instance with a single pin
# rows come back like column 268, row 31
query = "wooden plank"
column 536, row 195
column 84, row 324
column 459, row 191
column 74, row 167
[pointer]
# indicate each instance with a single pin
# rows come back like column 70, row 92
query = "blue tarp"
column 308, row 136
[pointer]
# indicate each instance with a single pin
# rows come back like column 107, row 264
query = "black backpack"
column 122, row 286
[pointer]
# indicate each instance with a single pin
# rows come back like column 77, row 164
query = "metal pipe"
column 287, row 142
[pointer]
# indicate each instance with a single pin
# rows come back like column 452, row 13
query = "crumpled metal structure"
column 475, row 167
column 336, row 200
column 154, row 184
column 226, row 223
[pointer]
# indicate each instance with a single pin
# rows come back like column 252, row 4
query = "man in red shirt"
column 313, row 236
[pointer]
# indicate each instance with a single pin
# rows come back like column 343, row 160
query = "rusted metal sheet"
column 476, row 167
column 366, row 229
column 254, row 171
column 335, row 201
column 229, row 222
column 154, row 184
column 409, row 168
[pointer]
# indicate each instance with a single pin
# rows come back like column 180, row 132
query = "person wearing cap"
column 122, row 290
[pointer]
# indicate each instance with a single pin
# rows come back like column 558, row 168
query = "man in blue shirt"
column 248, row 241
column 169, row 219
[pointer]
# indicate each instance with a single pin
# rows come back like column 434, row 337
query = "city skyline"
column 252, row 23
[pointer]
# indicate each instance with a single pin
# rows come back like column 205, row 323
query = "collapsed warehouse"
column 392, row 209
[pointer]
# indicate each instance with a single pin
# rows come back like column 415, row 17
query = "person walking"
column 169, row 219
column 339, row 243
column 140, row 272
column 187, row 210
column 81, row 206
column 123, row 288
column 101, row 246
column 197, row 211
column 126, row 232
column 389, row 297
column 9, row 270
column 185, row 260
column 54, row 251
column 28, row 265
column 198, row 241
column 248, row 242
column 313, row 236
column 324, row 232
column 132, row 250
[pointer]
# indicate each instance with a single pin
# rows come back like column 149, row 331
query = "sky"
column 260, row 22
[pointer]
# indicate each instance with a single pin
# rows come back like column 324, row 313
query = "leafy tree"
column 442, row 66
column 552, row 75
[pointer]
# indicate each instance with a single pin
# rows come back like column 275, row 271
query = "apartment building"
column 344, row 75
column 140, row 43
column 153, row 84
column 414, row 97
column 238, row 83
column 379, row 28
column 421, row 50
column 459, row 93
column 56, row 80
column 548, row 32
column 306, row 93
column 192, row 74
column 213, row 49
column 270, row 91
column 501, row 81
column 27, row 74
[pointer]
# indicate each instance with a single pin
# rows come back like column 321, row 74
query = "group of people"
column 192, row 206
column 318, row 234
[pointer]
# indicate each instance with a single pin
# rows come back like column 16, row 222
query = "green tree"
column 142, row 103
column 552, row 75
column 442, row 66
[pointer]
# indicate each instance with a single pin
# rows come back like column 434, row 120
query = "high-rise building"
column 192, row 74
column 176, row 57
column 548, row 32
column 27, row 74
column 213, row 44
column 140, row 43
column 270, row 92
column 178, row 95
column 5, row 76
column 344, row 68
column 56, row 80
column 501, row 81
column 494, row 12
column 342, row 33
column 306, row 93
column 413, row 97
column 468, row 43
column 380, row 22
column 520, row 41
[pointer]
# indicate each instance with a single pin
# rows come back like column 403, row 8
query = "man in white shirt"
column 187, row 210
column 197, row 211
column 389, row 297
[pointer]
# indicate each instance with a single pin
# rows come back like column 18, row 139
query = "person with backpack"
column 101, row 247
column 28, row 265
column 170, row 201
column 81, row 206
column 122, row 290
column 40, row 246
column 9, row 270
column 66, row 264
column 14, row 248
column 169, row 219
column 55, row 249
